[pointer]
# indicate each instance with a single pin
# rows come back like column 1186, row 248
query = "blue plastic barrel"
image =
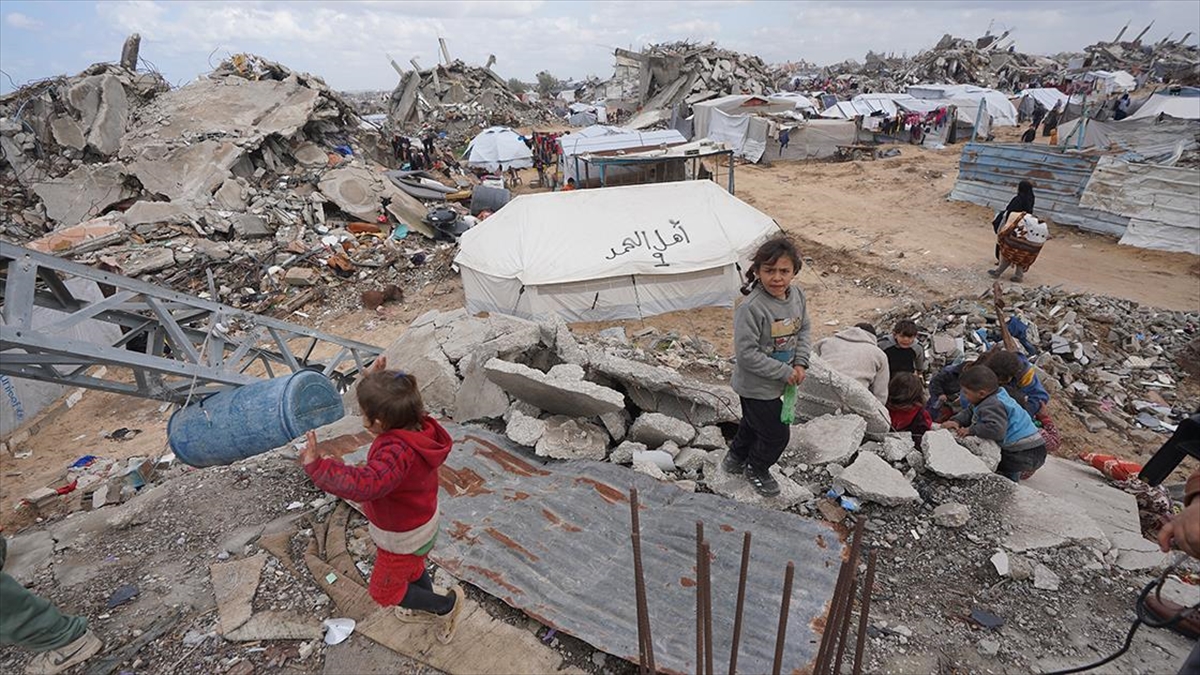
column 252, row 419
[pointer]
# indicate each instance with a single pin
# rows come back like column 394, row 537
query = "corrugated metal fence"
column 988, row 174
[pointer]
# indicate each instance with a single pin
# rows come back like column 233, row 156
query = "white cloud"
column 19, row 20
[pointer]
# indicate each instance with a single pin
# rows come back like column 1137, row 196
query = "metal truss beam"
column 185, row 346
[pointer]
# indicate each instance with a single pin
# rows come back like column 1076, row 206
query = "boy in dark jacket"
column 904, row 353
column 994, row 415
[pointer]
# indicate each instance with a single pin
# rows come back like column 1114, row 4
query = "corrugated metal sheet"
column 988, row 174
column 1161, row 202
column 552, row 539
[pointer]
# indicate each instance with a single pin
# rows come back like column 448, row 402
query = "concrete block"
column 691, row 459
column 249, row 226
column 616, row 423
column 709, row 438
column 524, row 430
column 418, row 353
column 567, row 438
column 828, row 392
column 986, row 450
column 872, row 479
column 478, row 397
column 945, row 457
column 659, row 389
column 735, row 486
column 826, row 439
column 654, row 429
column 301, row 276
column 147, row 260
column 231, row 196
column 952, row 515
column 896, row 446
column 660, row 458
column 576, row 398
column 1038, row 520
column 623, row 453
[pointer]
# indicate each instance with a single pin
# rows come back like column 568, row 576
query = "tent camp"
column 497, row 147
column 582, row 115
column 1184, row 105
column 738, row 122
column 1107, row 83
column 611, row 253
column 1047, row 96
column 1143, row 140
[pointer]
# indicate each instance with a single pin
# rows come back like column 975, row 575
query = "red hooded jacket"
column 398, row 486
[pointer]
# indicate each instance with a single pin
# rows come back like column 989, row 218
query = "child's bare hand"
column 378, row 365
column 310, row 453
column 951, row 425
column 962, row 432
column 798, row 374
column 1184, row 530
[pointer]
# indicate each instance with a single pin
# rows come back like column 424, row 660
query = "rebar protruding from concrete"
column 784, row 605
column 865, row 608
column 741, row 604
column 699, row 597
column 645, row 643
column 708, row 627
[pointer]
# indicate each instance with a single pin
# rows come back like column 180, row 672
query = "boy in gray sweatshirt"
column 771, row 336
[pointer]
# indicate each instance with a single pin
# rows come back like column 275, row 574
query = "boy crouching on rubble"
column 994, row 415
column 398, row 490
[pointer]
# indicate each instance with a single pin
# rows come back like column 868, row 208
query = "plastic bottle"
column 788, row 414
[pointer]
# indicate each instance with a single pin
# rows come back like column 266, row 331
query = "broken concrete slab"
column 478, row 397
column 146, row 212
column 691, row 458
column 310, row 154
column 988, row 451
column 576, row 398
column 660, row 458
column 895, row 446
column 28, row 553
column 301, row 276
column 623, row 453
column 952, row 515
column 872, row 479
column 1044, row 578
column 945, row 457
column 654, row 429
column 649, row 467
column 826, row 439
column 355, row 190
column 568, row 438
column 84, row 193
column 1039, row 520
column 616, row 424
column 1113, row 510
column 144, row 261
column 90, row 235
column 659, row 389
column 736, row 488
column 250, row 226
column 234, row 584
column 231, row 196
column 556, row 332
column 187, row 174
column 828, row 392
column 106, row 128
column 417, row 351
column 462, row 337
column 67, row 132
column 709, row 438
column 523, row 429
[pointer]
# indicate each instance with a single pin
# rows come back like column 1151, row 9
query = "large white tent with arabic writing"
column 612, row 253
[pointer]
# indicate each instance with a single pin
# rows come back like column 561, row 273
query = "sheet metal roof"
column 551, row 538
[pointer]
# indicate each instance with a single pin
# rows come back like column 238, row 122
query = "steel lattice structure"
column 185, row 346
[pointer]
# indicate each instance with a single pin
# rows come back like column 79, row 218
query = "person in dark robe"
column 1023, row 203
column 1039, row 113
column 1052, row 120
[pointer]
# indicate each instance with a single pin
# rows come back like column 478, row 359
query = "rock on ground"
column 623, row 453
column 709, row 438
column 654, row 429
column 736, row 487
column 691, row 459
column 562, row 396
column 568, row 438
column 952, row 515
column 872, row 479
column 523, row 429
column 945, row 457
column 826, row 439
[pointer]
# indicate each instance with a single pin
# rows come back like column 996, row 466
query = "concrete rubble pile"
column 990, row 61
column 1115, row 364
column 663, row 76
column 255, row 173
column 459, row 99
column 95, row 482
column 1176, row 62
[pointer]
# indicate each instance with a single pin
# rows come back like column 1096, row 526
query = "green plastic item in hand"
column 788, row 414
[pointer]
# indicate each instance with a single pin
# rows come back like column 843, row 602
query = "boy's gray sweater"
column 770, row 336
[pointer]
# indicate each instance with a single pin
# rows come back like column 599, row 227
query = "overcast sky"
column 346, row 42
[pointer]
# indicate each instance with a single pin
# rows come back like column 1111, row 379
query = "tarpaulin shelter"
column 1184, row 105
column 582, row 114
column 738, row 122
column 1047, row 96
column 612, row 253
column 967, row 98
column 1111, row 82
column 1140, row 140
column 498, row 147
column 608, row 139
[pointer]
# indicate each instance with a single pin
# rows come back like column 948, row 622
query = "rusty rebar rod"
column 864, row 608
column 741, row 604
column 837, row 602
column 699, row 598
column 708, row 626
column 784, row 605
column 645, row 644
column 847, row 612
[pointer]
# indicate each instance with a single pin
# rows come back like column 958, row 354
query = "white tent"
column 801, row 101
column 583, row 115
column 737, row 122
column 1185, row 106
column 1111, row 82
column 967, row 98
column 1047, row 96
column 611, row 253
column 498, row 147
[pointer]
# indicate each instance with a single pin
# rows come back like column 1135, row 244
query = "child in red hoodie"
column 906, row 404
column 398, row 491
